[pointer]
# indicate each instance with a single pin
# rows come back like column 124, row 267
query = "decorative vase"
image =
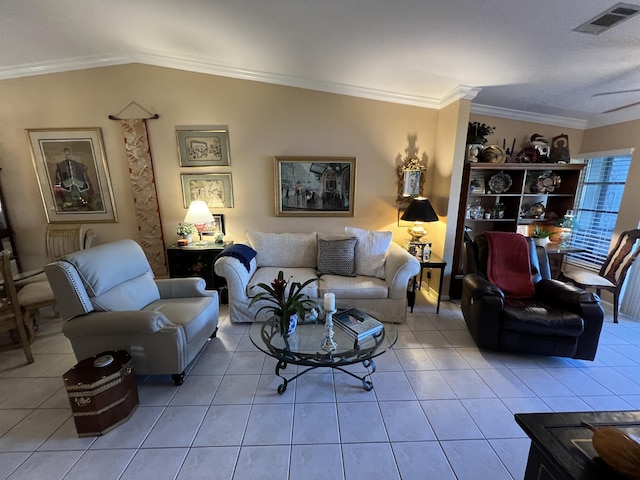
column 287, row 328
column 188, row 238
column 541, row 242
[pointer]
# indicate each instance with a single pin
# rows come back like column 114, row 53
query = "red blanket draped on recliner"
column 508, row 264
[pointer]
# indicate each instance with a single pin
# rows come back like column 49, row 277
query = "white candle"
column 329, row 302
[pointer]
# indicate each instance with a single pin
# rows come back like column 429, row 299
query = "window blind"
column 598, row 197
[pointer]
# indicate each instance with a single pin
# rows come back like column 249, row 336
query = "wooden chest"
column 102, row 392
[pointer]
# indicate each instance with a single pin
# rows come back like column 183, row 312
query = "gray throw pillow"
column 337, row 257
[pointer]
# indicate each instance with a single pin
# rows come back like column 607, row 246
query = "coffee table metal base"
column 365, row 379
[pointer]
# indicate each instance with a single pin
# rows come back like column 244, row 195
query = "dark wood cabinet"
column 529, row 193
column 198, row 261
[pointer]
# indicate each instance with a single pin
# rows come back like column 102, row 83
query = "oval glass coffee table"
column 304, row 347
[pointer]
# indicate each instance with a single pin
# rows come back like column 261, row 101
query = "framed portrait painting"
column 213, row 188
column 73, row 177
column 203, row 146
column 315, row 186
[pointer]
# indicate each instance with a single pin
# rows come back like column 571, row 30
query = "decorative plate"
column 493, row 154
column 548, row 182
column 500, row 182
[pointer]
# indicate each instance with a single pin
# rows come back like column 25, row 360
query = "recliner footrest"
column 533, row 318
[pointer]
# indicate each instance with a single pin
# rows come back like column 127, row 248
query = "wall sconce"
column 411, row 176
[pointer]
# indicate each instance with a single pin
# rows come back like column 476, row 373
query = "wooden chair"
column 10, row 312
column 35, row 293
column 613, row 271
column 62, row 239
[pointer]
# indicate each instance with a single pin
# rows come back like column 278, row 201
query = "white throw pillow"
column 295, row 250
column 371, row 250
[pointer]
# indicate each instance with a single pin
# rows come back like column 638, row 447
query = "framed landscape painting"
column 203, row 146
column 315, row 186
column 73, row 177
column 213, row 188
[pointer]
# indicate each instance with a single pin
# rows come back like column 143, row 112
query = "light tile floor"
column 440, row 409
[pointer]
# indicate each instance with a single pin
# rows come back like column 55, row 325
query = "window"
column 598, row 199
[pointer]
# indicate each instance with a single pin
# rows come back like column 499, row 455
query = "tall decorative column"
column 145, row 197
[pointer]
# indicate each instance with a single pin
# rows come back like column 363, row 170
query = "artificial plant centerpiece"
column 185, row 229
column 286, row 307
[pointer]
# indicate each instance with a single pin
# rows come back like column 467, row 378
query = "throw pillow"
column 337, row 257
column 371, row 250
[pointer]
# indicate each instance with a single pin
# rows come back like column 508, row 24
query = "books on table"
column 357, row 324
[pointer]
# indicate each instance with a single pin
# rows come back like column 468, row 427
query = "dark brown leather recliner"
column 559, row 320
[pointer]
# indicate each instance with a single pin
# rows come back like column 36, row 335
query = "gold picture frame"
column 73, row 176
column 315, row 186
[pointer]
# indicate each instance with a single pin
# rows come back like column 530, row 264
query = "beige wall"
column 264, row 120
column 617, row 137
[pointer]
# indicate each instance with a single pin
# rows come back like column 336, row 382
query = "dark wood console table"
column 198, row 261
column 561, row 447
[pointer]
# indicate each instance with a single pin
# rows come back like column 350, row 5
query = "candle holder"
column 328, row 344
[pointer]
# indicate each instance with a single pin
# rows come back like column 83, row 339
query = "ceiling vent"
column 607, row 19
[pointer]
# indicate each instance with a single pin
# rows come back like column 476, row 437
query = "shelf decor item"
column 500, row 183
column 478, row 132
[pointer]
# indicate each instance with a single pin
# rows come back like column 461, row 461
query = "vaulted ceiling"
column 517, row 57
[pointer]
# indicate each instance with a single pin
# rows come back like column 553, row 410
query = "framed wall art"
column 72, row 172
column 203, row 146
column 315, row 186
column 213, row 188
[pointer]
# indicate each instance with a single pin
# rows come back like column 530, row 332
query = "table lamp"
column 419, row 211
column 198, row 215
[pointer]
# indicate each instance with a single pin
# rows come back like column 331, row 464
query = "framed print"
column 213, row 188
column 203, row 146
column 315, row 186
column 72, row 173
column 476, row 186
column 217, row 226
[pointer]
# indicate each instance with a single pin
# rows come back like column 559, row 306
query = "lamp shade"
column 198, row 213
column 420, row 210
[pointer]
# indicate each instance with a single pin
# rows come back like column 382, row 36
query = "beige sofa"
column 364, row 269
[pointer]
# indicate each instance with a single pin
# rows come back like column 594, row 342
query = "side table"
column 433, row 262
column 197, row 261
column 561, row 446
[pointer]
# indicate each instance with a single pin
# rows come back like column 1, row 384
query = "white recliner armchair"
column 110, row 301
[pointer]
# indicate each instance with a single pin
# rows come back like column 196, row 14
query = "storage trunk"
column 102, row 392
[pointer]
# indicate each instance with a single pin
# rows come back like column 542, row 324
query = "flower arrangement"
column 477, row 132
column 282, row 305
column 184, row 229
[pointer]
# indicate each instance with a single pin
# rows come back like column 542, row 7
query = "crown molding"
column 461, row 92
column 529, row 117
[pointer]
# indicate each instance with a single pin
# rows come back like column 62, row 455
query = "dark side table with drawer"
column 197, row 261
column 433, row 262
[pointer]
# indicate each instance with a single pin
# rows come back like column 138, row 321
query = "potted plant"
column 285, row 307
column 185, row 232
column 477, row 133
column 540, row 236
column 498, row 210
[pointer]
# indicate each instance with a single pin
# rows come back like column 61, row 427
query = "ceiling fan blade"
column 622, row 108
column 615, row 93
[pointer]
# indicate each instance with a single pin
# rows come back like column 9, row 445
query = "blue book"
column 357, row 324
